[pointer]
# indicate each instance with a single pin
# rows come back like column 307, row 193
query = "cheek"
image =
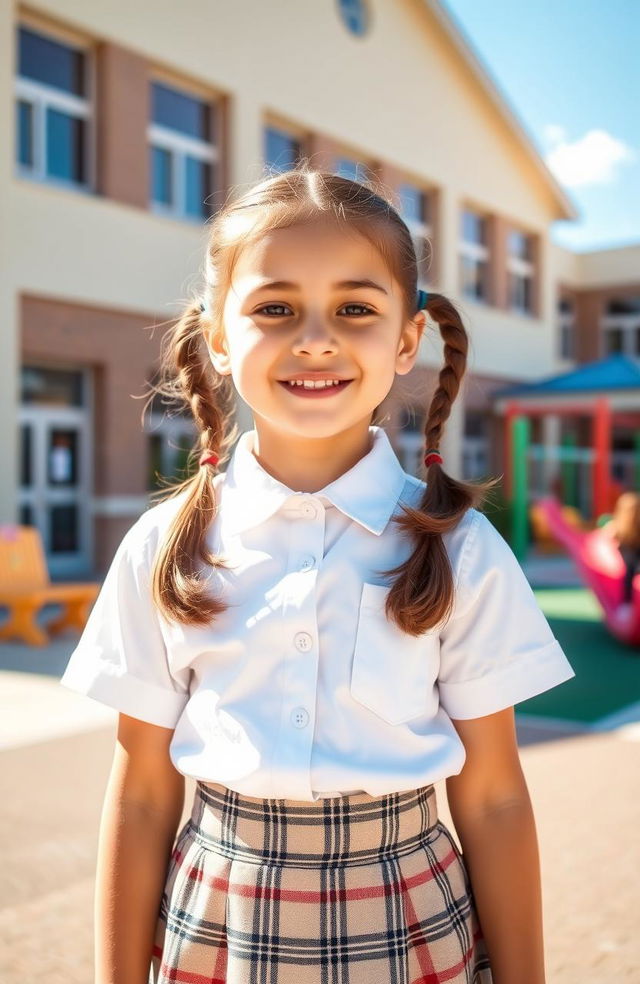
column 381, row 349
column 245, row 347
column 251, row 360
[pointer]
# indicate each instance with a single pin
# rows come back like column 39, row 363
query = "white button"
column 308, row 509
column 299, row 717
column 303, row 641
column 307, row 563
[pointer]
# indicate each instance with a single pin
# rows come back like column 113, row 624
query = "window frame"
column 476, row 445
column 420, row 230
column 629, row 327
column 409, row 438
column 522, row 270
column 476, row 253
column 347, row 159
column 180, row 146
column 355, row 16
column 366, row 168
column 287, row 131
column 42, row 97
column 566, row 322
column 167, row 428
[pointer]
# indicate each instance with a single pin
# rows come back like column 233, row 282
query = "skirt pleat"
column 343, row 890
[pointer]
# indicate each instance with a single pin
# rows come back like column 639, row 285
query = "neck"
column 307, row 464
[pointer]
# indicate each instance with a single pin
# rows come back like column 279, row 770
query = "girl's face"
column 291, row 311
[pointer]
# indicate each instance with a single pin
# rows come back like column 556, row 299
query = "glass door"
column 55, row 486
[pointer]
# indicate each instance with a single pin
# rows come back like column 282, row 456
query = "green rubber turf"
column 607, row 672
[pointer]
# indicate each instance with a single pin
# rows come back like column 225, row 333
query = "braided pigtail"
column 422, row 595
column 177, row 585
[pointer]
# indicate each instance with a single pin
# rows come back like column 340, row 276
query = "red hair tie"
column 431, row 455
column 209, row 457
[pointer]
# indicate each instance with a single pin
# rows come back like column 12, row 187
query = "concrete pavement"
column 55, row 751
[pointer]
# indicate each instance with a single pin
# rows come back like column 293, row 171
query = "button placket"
column 293, row 750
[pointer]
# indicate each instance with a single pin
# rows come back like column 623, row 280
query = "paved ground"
column 55, row 753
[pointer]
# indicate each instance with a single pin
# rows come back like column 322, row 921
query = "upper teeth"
column 314, row 383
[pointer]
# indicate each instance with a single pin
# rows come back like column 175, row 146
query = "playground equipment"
column 601, row 567
column 545, row 541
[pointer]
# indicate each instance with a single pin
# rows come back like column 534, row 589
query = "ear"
column 409, row 342
column 218, row 352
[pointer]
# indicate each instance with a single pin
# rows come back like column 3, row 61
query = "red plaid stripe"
column 346, row 890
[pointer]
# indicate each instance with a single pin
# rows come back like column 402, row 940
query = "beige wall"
column 610, row 267
column 591, row 280
column 402, row 97
column 607, row 268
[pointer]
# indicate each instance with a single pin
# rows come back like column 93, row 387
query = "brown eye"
column 281, row 308
column 363, row 308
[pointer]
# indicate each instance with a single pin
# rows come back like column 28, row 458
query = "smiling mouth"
column 315, row 391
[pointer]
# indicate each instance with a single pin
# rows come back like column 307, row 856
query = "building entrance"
column 55, row 466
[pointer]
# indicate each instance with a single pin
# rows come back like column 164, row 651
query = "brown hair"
column 421, row 594
column 626, row 519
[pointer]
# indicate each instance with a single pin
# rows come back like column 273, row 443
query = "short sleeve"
column 497, row 648
column 121, row 658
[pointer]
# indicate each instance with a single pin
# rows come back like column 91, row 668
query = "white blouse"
column 302, row 688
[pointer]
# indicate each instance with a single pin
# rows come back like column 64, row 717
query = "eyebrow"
column 343, row 284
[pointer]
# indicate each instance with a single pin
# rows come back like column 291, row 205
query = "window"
column 566, row 329
column 52, row 110
column 354, row 168
column 474, row 256
column 355, row 16
column 475, row 445
column 520, row 271
column 171, row 437
column 52, row 387
column 347, row 168
column 620, row 326
column 410, row 439
column 415, row 206
column 281, row 150
column 183, row 153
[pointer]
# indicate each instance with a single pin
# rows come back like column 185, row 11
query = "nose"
column 314, row 338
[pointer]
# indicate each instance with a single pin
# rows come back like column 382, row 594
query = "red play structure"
column 608, row 393
column 602, row 567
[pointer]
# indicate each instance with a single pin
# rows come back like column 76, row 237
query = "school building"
column 132, row 122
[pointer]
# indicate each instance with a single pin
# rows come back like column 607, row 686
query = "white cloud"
column 592, row 159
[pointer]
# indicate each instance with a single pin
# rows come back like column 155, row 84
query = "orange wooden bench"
column 25, row 587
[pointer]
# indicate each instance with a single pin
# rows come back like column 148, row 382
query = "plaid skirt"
column 345, row 890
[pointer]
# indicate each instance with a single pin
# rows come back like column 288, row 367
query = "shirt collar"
column 367, row 493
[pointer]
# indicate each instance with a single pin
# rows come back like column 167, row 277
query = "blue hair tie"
column 422, row 299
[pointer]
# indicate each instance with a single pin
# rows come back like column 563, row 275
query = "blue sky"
column 570, row 69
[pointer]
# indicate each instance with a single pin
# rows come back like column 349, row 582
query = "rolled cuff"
column 107, row 684
column 525, row 677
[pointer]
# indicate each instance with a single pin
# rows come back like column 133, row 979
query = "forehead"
column 311, row 252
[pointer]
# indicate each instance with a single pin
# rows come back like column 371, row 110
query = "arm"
column 491, row 809
column 142, row 808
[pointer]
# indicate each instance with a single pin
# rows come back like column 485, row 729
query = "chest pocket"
column 392, row 672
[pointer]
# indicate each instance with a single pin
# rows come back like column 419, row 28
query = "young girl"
column 316, row 637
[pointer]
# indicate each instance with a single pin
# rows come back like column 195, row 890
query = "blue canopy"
column 613, row 373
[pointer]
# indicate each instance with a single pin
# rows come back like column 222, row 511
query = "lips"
column 315, row 392
column 310, row 376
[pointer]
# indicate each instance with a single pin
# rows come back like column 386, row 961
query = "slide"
column 601, row 567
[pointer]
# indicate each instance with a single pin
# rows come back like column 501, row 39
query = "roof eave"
column 464, row 46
